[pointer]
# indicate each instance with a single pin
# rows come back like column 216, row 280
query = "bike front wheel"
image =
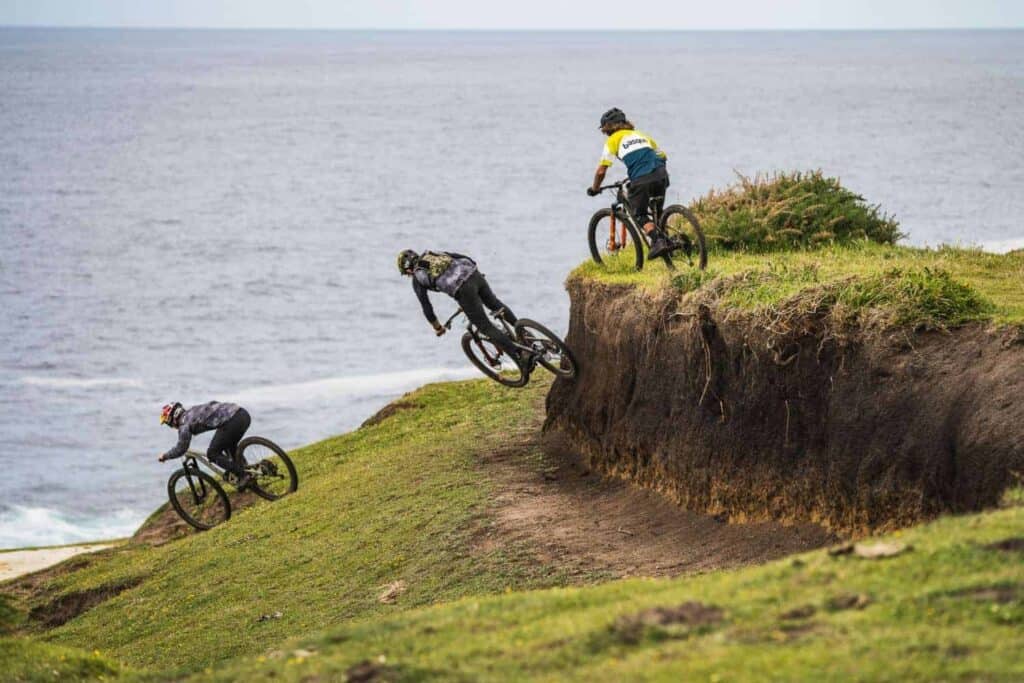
column 488, row 356
column 551, row 351
column 682, row 227
column 198, row 498
column 273, row 473
column 613, row 240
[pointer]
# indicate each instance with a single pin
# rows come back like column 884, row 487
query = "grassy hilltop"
column 295, row 590
column 801, row 239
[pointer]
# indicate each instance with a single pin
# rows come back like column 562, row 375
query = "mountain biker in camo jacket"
column 645, row 166
column 457, row 276
column 230, row 420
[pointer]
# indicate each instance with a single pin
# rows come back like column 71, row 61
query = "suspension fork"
column 483, row 349
column 191, row 468
column 612, row 243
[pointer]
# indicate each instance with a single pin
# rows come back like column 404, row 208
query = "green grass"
column 28, row 660
column 950, row 609
column 401, row 500
column 903, row 285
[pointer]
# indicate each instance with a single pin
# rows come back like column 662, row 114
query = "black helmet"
column 613, row 115
column 407, row 261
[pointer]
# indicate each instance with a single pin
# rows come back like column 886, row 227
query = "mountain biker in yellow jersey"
column 645, row 166
column 230, row 420
column 457, row 276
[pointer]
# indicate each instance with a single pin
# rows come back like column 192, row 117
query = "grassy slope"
column 397, row 501
column 998, row 279
column 949, row 609
column 402, row 501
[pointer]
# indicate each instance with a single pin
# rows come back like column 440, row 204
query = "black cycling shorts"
column 643, row 189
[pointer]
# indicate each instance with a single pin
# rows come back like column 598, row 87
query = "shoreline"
column 15, row 562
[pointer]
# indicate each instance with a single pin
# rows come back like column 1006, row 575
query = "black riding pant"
column 225, row 441
column 473, row 295
column 653, row 185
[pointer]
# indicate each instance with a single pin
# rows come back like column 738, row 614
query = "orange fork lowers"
column 612, row 244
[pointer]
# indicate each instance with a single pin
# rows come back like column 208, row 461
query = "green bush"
column 790, row 211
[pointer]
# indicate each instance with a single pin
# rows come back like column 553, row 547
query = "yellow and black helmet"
column 407, row 261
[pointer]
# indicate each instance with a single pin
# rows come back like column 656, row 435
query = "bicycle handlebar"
column 497, row 315
column 613, row 186
column 449, row 321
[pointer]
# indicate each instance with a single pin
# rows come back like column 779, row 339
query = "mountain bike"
column 201, row 501
column 537, row 344
column 626, row 240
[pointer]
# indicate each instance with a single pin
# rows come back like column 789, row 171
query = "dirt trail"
column 584, row 522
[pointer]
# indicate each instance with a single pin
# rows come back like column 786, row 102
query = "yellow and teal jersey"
column 638, row 151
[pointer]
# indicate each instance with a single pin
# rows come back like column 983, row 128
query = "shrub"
column 789, row 211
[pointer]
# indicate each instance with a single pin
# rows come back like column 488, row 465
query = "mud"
column 790, row 419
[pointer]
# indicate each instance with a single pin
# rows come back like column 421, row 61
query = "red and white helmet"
column 171, row 413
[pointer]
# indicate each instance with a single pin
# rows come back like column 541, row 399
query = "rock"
column 882, row 549
column 268, row 617
column 391, row 592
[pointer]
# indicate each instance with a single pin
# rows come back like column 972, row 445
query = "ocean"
column 197, row 215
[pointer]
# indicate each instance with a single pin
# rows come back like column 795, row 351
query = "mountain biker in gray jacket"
column 231, row 422
column 457, row 276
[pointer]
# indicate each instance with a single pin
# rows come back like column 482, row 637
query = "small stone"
column 880, row 550
column 391, row 592
column 268, row 617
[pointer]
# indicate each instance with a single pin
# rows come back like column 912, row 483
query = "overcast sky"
column 529, row 14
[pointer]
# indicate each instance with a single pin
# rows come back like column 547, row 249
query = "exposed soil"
column 672, row 622
column 165, row 525
column 389, row 410
column 790, row 418
column 1008, row 545
column 587, row 523
column 70, row 605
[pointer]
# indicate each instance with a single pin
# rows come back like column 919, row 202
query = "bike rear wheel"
column 198, row 498
column 488, row 356
column 682, row 226
column 273, row 473
column 553, row 353
column 614, row 240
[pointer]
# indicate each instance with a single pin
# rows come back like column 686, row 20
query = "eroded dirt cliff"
column 787, row 416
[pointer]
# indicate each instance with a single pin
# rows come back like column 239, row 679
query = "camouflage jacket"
column 441, row 271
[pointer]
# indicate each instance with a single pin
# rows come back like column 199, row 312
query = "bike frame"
column 622, row 201
column 478, row 337
column 191, row 457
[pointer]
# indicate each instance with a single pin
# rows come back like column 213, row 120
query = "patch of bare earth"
column 549, row 499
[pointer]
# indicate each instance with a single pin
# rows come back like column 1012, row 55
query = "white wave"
column 80, row 382
column 1003, row 246
column 23, row 527
column 358, row 387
